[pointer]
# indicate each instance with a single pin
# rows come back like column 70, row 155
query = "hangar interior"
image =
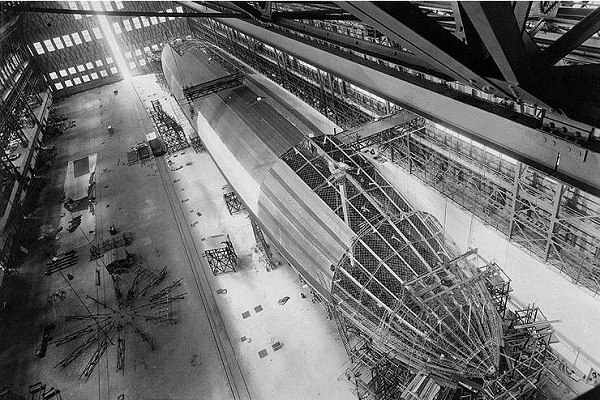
column 266, row 200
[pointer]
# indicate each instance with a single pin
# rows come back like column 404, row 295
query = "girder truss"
column 399, row 281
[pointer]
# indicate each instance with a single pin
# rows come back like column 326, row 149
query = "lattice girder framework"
column 399, row 282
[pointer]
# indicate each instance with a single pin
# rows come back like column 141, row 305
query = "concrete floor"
column 202, row 356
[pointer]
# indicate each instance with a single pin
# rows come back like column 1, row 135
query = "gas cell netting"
column 399, row 282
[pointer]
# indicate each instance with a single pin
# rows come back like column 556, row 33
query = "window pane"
column 86, row 35
column 109, row 60
column 117, row 27
column 62, row 72
column 89, row 65
column 85, row 78
column 77, row 81
column 103, row 73
column 119, row 5
column 68, row 83
column 97, row 33
column 80, row 68
column 127, row 25
column 114, row 70
column 53, row 75
column 138, row 52
column 58, row 85
column 94, row 75
column 132, row 65
column 142, row 62
column 128, row 54
column 67, row 40
column 58, row 43
column 136, row 22
column 72, row 70
column 99, row 63
column 38, row 48
column 76, row 38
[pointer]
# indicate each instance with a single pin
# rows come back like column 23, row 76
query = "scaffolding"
column 399, row 282
column 220, row 254
column 262, row 246
column 233, row 203
column 137, row 293
column 167, row 128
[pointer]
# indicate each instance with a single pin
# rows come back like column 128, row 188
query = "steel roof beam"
column 521, row 9
column 570, row 40
column 387, row 53
column 562, row 159
column 124, row 13
column 498, row 28
column 405, row 23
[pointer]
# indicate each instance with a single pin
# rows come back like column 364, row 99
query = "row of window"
column 80, row 68
column 86, row 6
column 142, row 21
column 85, row 78
column 61, row 42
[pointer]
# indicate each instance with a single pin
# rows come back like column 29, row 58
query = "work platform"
column 220, row 254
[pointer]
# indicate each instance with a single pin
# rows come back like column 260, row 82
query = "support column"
column 515, row 193
column 553, row 218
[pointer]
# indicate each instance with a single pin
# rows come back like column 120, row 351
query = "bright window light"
column 109, row 60
column 132, row 65
column 107, row 6
column 67, row 40
column 145, row 21
column 72, row 70
column 142, row 62
column 53, row 75
column 77, row 81
column 99, row 63
column 39, row 48
column 127, row 25
column 136, row 22
column 68, row 83
column 58, row 85
column 80, row 68
column 153, row 20
column 119, row 5
column 94, row 75
column 112, row 41
column 155, row 47
column 117, row 28
column 162, row 19
column 128, row 55
column 73, row 6
column 103, row 73
column 76, row 38
column 58, row 43
column 85, row 78
column 146, row 49
column 96, row 30
column 86, row 35
column 179, row 9
column 62, row 72
column 138, row 52
column 89, row 65
column 114, row 70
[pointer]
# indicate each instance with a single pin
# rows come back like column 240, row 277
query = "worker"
column 112, row 230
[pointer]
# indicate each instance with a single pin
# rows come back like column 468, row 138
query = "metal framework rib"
column 399, row 282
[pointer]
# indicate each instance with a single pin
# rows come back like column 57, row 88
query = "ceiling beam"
column 386, row 53
column 124, row 13
column 511, row 134
column 569, row 41
column 521, row 9
column 405, row 23
column 498, row 29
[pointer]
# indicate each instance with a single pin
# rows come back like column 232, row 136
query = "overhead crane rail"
column 216, row 85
